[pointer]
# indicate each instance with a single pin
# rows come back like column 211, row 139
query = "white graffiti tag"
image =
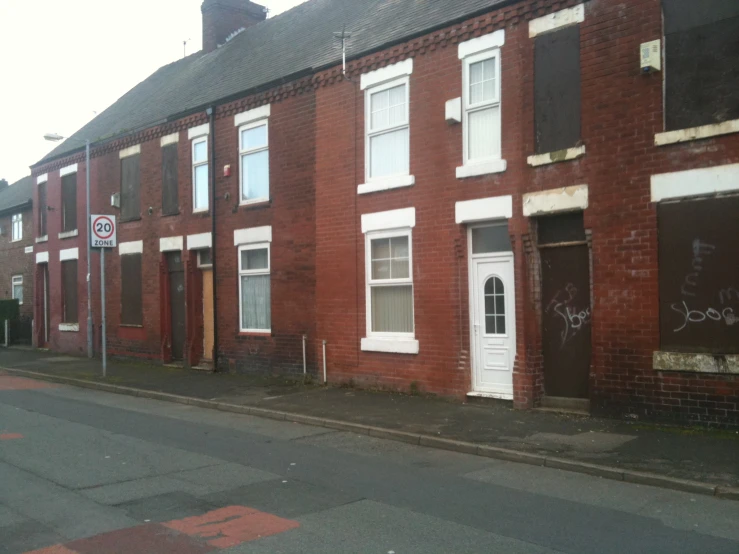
column 574, row 319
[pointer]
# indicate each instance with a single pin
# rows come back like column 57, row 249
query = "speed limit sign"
column 103, row 231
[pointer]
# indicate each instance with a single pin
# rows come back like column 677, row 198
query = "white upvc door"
column 493, row 315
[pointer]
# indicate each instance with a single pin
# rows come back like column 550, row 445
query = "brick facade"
column 318, row 250
column 15, row 260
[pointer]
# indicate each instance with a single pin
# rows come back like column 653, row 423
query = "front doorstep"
column 561, row 404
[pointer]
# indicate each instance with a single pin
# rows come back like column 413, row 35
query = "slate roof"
column 17, row 195
column 297, row 41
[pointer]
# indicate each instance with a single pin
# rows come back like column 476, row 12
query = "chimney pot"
column 221, row 18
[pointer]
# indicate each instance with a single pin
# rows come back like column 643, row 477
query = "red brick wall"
column 15, row 261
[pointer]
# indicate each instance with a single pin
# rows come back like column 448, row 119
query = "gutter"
column 19, row 207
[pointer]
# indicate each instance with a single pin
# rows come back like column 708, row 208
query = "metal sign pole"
column 102, row 310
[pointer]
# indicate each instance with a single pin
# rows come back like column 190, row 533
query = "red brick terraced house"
column 16, row 245
column 527, row 200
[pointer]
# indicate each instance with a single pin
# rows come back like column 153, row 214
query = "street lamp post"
column 56, row 138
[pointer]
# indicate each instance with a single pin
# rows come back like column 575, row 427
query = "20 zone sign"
column 103, row 231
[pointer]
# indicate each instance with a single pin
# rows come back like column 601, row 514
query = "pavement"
column 694, row 459
column 89, row 472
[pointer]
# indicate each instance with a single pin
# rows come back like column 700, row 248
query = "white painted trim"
column 499, row 395
column 485, row 168
column 262, row 112
column 483, row 209
column 387, row 184
column 69, row 254
column 170, row 244
column 199, row 241
column 130, row 151
column 554, row 157
column 69, row 234
column 695, row 182
column 387, row 73
column 564, row 199
column 69, row 327
column 133, row 247
column 42, row 178
column 68, row 170
column 45, row 238
column 253, row 235
column 697, row 133
column 557, row 20
column 393, row 219
column 480, row 44
column 174, row 138
column 199, row 131
column 453, row 110
column 29, row 250
column 395, row 346
column 42, row 257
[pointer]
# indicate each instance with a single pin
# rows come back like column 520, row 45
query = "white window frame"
column 243, row 152
column 243, row 272
column 208, row 265
column 195, row 165
column 373, row 184
column 495, row 163
column 371, row 283
column 17, row 227
column 16, row 280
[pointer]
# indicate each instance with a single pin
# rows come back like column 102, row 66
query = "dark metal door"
column 566, row 314
column 177, row 303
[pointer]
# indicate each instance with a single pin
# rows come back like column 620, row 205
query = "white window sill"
column 395, row 346
column 555, row 157
column 696, row 133
column 695, row 363
column 200, row 211
column 45, row 238
column 69, row 234
column 69, row 327
column 16, row 240
column 484, row 168
column 254, row 201
column 387, row 184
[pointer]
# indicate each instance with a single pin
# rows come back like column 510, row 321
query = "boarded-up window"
column 69, row 292
column 131, row 289
column 170, row 197
column 42, row 211
column 130, row 188
column 699, row 275
column 702, row 62
column 69, row 202
column 557, row 89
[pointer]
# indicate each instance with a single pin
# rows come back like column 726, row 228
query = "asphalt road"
column 100, row 473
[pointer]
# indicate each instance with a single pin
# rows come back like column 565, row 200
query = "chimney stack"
column 3, row 184
column 221, row 18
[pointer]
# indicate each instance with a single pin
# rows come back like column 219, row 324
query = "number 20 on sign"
column 103, row 231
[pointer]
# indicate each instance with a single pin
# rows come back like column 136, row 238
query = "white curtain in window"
column 483, row 133
column 201, row 187
column 255, row 174
column 256, row 310
column 389, row 153
column 18, row 292
column 392, row 309
column 482, row 81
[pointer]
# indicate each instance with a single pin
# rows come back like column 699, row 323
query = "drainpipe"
column 212, row 178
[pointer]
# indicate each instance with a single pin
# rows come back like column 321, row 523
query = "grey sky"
column 62, row 61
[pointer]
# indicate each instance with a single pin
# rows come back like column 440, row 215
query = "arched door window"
column 494, row 307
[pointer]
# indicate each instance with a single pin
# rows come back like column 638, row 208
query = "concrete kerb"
column 607, row 472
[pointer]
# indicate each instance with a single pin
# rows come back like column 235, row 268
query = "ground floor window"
column 69, row 292
column 699, row 275
column 17, row 284
column 255, row 288
column 389, row 284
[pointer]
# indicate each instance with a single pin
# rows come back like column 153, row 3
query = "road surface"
column 89, row 472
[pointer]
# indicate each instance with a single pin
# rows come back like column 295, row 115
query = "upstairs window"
column 42, row 210
column 200, row 174
column 388, row 132
column 170, row 194
column 17, row 223
column 132, row 309
column 69, row 203
column 701, row 62
column 254, row 152
column 130, row 185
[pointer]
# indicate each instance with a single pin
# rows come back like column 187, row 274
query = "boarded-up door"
column 177, row 303
column 207, row 314
column 566, row 310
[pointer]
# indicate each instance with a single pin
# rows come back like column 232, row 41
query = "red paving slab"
column 8, row 382
column 10, row 436
column 145, row 539
column 232, row 526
